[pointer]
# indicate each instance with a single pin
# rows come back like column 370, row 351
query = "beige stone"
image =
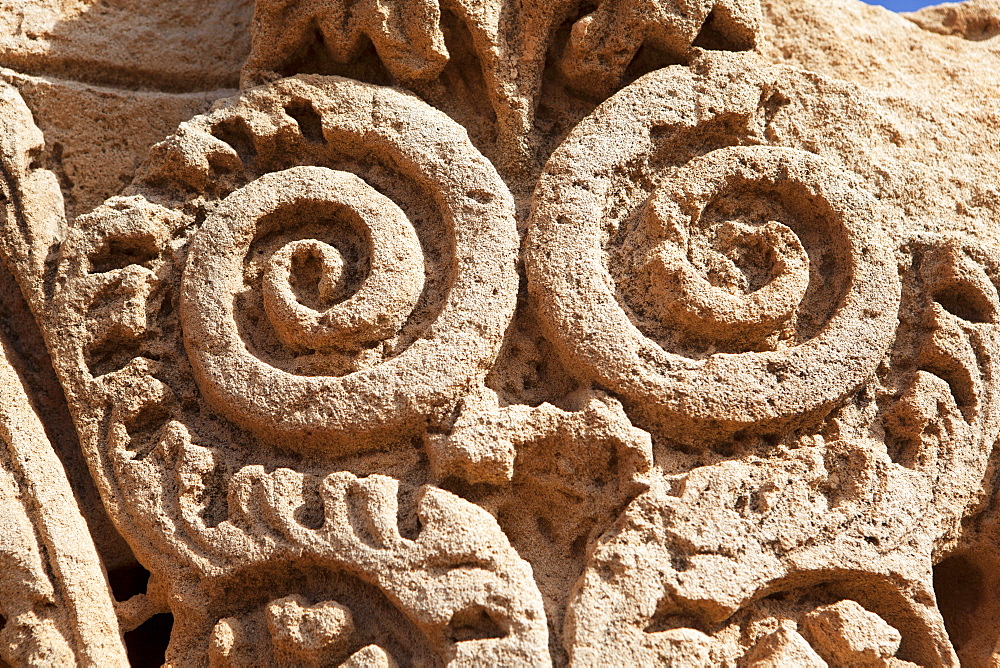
column 784, row 647
column 126, row 43
column 481, row 332
column 847, row 634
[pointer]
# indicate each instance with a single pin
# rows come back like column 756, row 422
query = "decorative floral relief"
column 318, row 317
column 292, row 350
column 747, row 546
column 680, row 282
column 509, row 42
column 468, row 597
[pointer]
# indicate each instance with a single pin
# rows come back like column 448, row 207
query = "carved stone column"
column 496, row 332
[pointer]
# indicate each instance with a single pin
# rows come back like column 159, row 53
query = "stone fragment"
column 309, row 634
column 782, row 648
column 371, row 656
column 975, row 20
column 848, row 635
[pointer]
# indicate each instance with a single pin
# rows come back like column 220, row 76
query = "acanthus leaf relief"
column 477, row 333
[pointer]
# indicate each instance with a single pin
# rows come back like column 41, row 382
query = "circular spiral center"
column 304, row 283
column 755, row 281
column 311, row 271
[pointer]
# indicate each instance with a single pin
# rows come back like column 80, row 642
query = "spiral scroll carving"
column 307, row 277
column 342, row 273
column 214, row 275
column 690, row 300
column 737, row 403
column 698, row 293
column 376, row 311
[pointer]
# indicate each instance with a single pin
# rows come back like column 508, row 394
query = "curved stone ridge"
column 379, row 307
column 54, row 595
column 687, row 299
column 223, row 364
column 55, row 603
column 465, row 594
column 704, row 399
column 736, row 404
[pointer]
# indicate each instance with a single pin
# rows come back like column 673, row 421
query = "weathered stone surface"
column 171, row 46
column 475, row 332
column 847, row 634
column 97, row 136
column 784, row 647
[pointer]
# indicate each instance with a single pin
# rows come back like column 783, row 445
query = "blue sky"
column 903, row 5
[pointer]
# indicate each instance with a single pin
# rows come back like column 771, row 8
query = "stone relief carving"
column 482, row 333
column 53, row 596
column 799, row 362
column 507, row 41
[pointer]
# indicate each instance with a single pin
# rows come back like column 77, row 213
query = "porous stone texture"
column 784, row 647
column 847, row 634
column 499, row 333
